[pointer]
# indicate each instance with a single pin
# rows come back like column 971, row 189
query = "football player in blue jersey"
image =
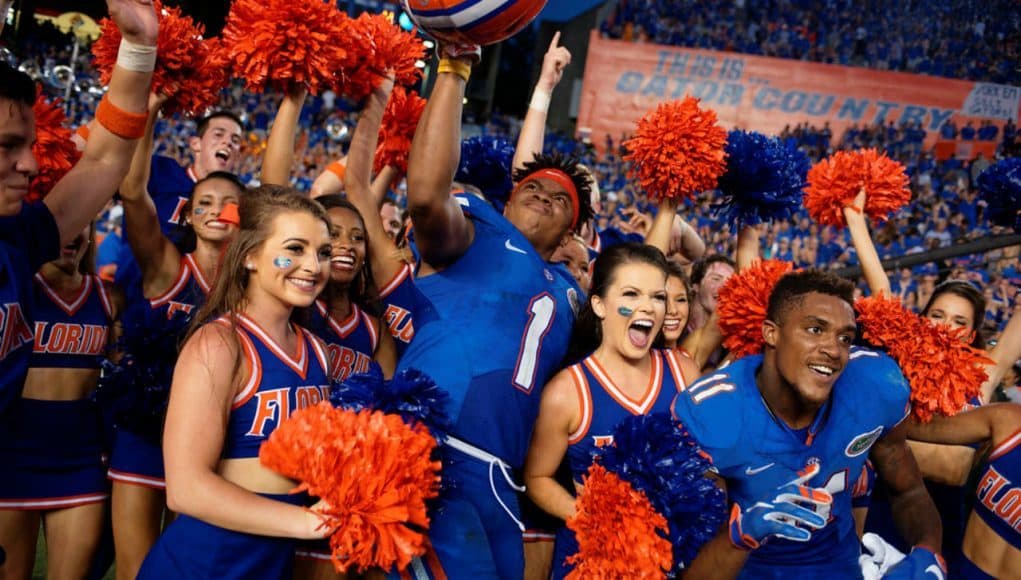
column 809, row 409
column 32, row 234
column 505, row 316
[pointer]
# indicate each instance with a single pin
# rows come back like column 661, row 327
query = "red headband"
column 564, row 181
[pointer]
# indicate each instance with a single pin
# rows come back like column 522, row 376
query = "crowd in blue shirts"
column 966, row 39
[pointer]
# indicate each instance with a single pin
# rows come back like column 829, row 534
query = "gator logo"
column 863, row 442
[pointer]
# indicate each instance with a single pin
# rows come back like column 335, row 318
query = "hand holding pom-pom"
column 190, row 71
column 400, row 120
column 834, row 182
column 677, row 150
column 53, row 149
column 741, row 306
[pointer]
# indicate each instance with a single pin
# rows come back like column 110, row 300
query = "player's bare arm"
column 913, row 509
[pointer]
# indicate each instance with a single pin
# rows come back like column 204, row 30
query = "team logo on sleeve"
column 863, row 442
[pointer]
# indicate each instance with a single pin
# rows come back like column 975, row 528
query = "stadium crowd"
column 964, row 39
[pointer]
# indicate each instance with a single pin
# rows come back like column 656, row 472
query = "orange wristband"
column 119, row 122
column 337, row 168
column 83, row 131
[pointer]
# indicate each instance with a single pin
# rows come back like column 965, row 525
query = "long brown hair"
column 257, row 209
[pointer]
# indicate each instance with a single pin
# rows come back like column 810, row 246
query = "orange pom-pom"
column 834, row 182
column 381, row 47
column 286, row 43
column 53, row 149
column 677, row 150
column 373, row 470
column 741, row 305
column 399, row 123
column 620, row 534
column 190, row 71
column 943, row 370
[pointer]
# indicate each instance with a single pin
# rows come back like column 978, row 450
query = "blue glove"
column 781, row 516
column 921, row 564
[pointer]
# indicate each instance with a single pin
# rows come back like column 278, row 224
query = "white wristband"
column 540, row 101
column 136, row 57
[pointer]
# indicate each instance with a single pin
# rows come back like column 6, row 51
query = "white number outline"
column 542, row 310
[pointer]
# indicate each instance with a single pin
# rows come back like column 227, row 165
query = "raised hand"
column 136, row 20
column 554, row 62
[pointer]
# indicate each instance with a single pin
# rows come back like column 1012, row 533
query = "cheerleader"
column 992, row 540
column 52, row 443
column 173, row 283
column 244, row 368
column 624, row 375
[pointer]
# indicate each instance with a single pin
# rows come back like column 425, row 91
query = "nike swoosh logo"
column 758, row 470
column 935, row 571
column 512, row 248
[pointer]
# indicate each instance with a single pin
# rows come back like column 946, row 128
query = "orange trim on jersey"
column 191, row 173
column 675, row 370
column 104, row 297
column 1006, row 445
column 183, row 273
column 69, row 308
column 636, row 407
column 251, row 356
column 189, row 260
column 398, row 279
column 320, row 350
column 298, row 361
column 341, row 329
column 373, row 331
column 435, row 567
column 585, row 400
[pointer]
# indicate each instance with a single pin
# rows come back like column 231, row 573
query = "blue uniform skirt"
column 136, row 460
column 52, row 455
column 191, row 548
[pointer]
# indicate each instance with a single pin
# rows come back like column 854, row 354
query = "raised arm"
column 1006, row 352
column 158, row 259
column 442, row 232
column 203, row 389
column 331, row 180
column 747, row 246
column 662, row 226
column 533, row 130
column 278, row 159
column 685, row 240
column 385, row 258
column 871, row 266
column 81, row 194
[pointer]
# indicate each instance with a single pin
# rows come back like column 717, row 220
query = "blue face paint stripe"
column 625, row 311
column 282, row 262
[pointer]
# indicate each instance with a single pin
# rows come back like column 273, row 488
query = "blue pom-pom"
column 411, row 394
column 1000, row 188
column 486, row 164
column 764, row 179
column 655, row 455
column 134, row 390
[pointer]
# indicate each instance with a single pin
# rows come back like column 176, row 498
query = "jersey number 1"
column 540, row 319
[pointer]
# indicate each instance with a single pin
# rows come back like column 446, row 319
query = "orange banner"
column 624, row 80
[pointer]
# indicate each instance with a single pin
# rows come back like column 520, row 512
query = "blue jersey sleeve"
column 711, row 411
column 34, row 231
column 879, row 384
